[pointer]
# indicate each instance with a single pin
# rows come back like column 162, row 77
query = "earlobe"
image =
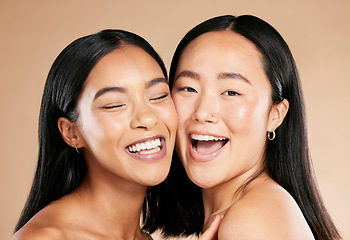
column 277, row 114
column 69, row 132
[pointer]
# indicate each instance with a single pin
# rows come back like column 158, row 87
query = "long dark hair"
column 60, row 169
column 287, row 157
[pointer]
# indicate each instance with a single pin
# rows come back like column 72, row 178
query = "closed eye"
column 113, row 107
column 160, row 97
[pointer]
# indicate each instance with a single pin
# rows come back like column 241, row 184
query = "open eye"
column 231, row 93
column 187, row 89
column 162, row 97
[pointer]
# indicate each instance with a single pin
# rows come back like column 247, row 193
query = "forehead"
column 215, row 53
column 222, row 46
column 127, row 65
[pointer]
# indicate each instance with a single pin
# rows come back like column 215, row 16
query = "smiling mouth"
column 207, row 144
column 146, row 147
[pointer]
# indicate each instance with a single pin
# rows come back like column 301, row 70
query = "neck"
column 113, row 206
column 219, row 198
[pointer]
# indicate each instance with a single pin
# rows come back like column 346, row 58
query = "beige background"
column 34, row 32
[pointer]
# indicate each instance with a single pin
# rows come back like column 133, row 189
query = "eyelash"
column 187, row 89
column 160, row 98
column 122, row 105
column 113, row 106
column 234, row 93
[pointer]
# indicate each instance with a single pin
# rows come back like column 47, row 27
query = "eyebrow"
column 234, row 75
column 223, row 75
column 123, row 90
column 109, row 89
column 188, row 74
column 156, row 81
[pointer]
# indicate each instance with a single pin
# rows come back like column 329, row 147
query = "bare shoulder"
column 266, row 211
column 29, row 232
column 48, row 223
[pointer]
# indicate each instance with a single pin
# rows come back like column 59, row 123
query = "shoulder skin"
column 29, row 232
column 266, row 211
column 47, row 224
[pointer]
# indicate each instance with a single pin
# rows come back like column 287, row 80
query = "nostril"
column 204, row 117
column 144, row 120
column 142, row 127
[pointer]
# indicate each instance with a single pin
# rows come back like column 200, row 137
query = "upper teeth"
column 206, row 137
column 145, row 145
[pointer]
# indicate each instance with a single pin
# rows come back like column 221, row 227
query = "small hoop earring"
column 76, row 149
column 271, row 135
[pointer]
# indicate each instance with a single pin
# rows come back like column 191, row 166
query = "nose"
column 206, row 110
column 143, row 118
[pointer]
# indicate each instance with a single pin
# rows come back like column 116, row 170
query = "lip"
column 151, row 156
column 198, row 157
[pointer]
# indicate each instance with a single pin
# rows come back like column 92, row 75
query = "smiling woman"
column 241, row 137
column 106, row 133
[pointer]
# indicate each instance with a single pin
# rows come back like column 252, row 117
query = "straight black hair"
column 287, row 159
column 60, row 169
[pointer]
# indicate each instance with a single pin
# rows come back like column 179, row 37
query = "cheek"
column 238, row 115
column 249, row 116
column 100, row 131
column 167, row 114
column 89, row 123
column 91, row 126
column 183, row 109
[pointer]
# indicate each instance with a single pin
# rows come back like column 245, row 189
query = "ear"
column 277, row 114
column 70, row 132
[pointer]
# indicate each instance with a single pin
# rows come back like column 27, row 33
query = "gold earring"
column 271, row 135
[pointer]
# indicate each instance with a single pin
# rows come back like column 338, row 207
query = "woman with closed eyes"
column 106, row 136
column 106, row 133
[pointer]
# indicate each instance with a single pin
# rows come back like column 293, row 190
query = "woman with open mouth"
column 106, row 133
column 241, row 137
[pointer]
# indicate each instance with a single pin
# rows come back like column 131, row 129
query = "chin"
column 154, row 179
column 155, row 182
column 201, row 179
column 204, row 184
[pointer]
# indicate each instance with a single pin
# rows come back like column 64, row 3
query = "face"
column 223, row 99
column 127, row 119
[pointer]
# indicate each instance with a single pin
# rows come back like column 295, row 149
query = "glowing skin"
column 223, row 99
column 125, row 130
column 221, row 92
column 127, row 118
